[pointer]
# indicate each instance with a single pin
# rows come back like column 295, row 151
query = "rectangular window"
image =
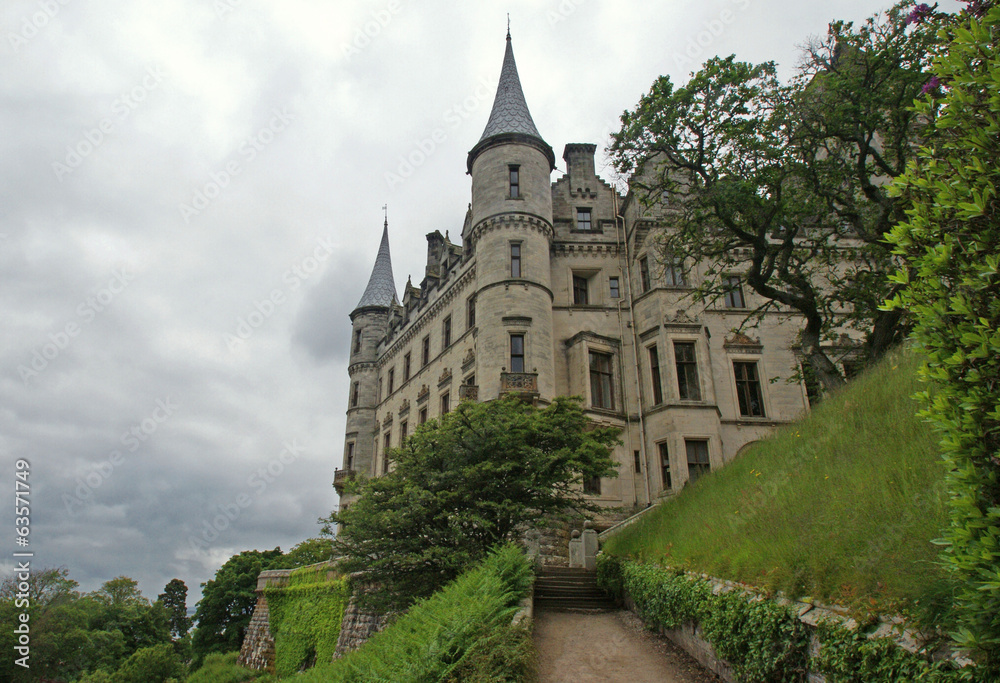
column 601, row 381
column 592, row 486
column 445, row 403
column 357, row 341
column 583, row 221
column 688, row 388
column 385, row 452
column 349, row 459
column 637, row 462
column 654, row 373
column 422, row 416
column 425, row 351
column 402, row 433
column 515, row 181
column 665, row 464
column 697, row 454
column 517, row 353
column 580, row 290
column 406, row 367
column 355, row 391
column 379, row 398
column 446, row 332
column 615, row 289
column 644, row 274
column 470, row 313
column 734, row 292
column 515, row 259
column 748, row 389
column 392, row 379
column 675, row 272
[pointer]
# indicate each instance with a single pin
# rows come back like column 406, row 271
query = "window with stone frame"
column 392, row 381
column 385, row 452
column 644, row 281
column 654, row 375
column 697, row 457
column 748, row 389
column 637, row 462
column 349, row 458
column 583, row 219
column 355, row 393
column 734, row 292
column 357, row 341
column 446, row 403
column 515, row 259
column 517, row 353
column 425, row 351
column 674, row 271
column 379, row 396
column 406, row 366
column 581, row 285
column 470, row 313
column 515, row 181
column 422, row 416
column 615, row 287
column 664, row 465
column 403, row 433
column 592, row 486
column 446, row 332
column 686, row 361
column 601, row 381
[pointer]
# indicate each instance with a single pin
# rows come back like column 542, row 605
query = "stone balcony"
column 340, row 479
column 521, row 384
column 468, row 392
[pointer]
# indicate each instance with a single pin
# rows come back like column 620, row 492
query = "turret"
column 369, row 321
column 511, row 232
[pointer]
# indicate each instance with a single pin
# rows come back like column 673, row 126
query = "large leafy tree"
column 174, row 599
column 227, row 603
column 473, row 479
column 785, row 184
column 952, row 286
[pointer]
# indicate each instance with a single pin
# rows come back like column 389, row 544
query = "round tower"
column 511, row 232
column 369, row 321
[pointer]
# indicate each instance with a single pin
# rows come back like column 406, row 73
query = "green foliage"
column 305, row 618
column 842, row 506
column 762, row 640
column 854, row 656
column 952, row 287
column 462, row 485
column 174, row 599
column 310, row 551
column 157, row 664
column 222, row 668
column 462, row 633
column 227, row 603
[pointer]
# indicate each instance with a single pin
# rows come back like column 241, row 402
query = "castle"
column 557, row 288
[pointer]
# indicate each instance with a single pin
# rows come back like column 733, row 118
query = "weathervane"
column 508, row 25
column 385, row 208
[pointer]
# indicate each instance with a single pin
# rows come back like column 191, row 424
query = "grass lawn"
column 842, row 506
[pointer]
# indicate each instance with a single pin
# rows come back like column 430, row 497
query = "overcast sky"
column 190, row 206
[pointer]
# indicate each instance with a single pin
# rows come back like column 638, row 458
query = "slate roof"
column 381, row 289
column 510, row 112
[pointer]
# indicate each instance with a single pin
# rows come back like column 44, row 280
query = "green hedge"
column 461, row 633
column 305, row 618
column 761, row 639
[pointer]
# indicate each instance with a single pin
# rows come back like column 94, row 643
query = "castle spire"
column 381, row 289
column 510, row 120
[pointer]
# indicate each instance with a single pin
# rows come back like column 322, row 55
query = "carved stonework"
column 445, row 377
column 682, row 318
column 425, row 391
column 405, row 407
column 740, row 341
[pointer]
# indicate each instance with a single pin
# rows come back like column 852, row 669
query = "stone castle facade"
column 557, row 289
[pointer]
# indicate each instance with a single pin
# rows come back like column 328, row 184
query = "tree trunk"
column 821, row 365
column 887, row 331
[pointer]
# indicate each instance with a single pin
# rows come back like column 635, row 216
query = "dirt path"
column 609, row 647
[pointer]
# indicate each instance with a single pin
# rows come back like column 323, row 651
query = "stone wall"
column 257, row 652
column 357, row 627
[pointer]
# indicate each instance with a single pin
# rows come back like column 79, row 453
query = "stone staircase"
column 564, row 588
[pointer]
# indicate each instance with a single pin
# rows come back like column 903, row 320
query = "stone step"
column 569, row 603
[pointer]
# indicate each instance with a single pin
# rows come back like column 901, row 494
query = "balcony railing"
column 468, row 392
column 524, row 384
column 340, row 479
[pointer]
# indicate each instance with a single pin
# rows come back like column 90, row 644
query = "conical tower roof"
column 381, row 289
column 510, row 120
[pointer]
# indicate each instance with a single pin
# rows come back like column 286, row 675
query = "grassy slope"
column 841, row 507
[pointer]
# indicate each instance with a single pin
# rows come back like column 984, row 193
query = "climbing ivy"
column 305, row 618
column 854, row 656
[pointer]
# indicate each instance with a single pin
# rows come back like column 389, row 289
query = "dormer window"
column 515, row 181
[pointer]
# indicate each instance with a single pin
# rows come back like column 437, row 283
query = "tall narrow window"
column 406, row 367
column 392, row 380
column 470, row 313
column 675, row 272
column 357, row 341
column 697, row 455
column 748, row 389
column 355, row 392
column 515, row 181
column 654, row 372
column 446, row 332
column 637, row 462
column 734, row 292
column 385, row 452
column 580, row 297
column 445, row 403
column 592, row 486
column 517, row 353
column 615, row 288
column 422, row 416
column 379, row 397
column 601, row 384
column 688, row 387
column 644, row 273
column 425, row 351
column 665, row 465
column 349, row 458
column 403, row 426
column 515, row 259
column 583, row 221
